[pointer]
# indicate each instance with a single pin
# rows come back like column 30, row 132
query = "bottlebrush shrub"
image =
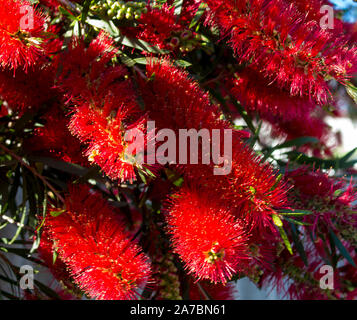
column 76, row 199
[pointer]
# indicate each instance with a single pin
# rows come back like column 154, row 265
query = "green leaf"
column 9, row 295
column 336, row 163
column 142, row 60
column 342, row 248
column 295, row 213
column 277, row 221
column 54, row 256
column 352, row 91
column 20, row 225
column 201, row 9
column 108, row 26
column 298, row 244
column 63, row 166
column 276, row 183
column 285, row 239
column 138, row 44
column 47, row 290
column 57, row 213
column 142, row 176
column 298, row 142
column 244, row 115
column 348, row 155
column 183, row 63
column 300, row 223
column 178, row 7
column 67, row 13
column 76, row 29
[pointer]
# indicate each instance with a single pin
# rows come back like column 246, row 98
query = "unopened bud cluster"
column 185, row 41
column 119, row 10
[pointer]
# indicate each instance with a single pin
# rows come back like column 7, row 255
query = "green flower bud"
column 121, row 14
column 129, row 16
column 110, row 13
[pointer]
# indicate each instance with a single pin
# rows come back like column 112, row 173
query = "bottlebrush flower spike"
column 92, row 242
column 289, row 49
column 57, row 267
column 157, row 25
column 28, row 91
column 55, row 140
column 182, row 102
column 105, row 137
column 257, row 94
column 105, row 107
column 306, row 126
column 290, row 116
column 331, row 200
column 207, row 238
column 21, row 34
column 255, row 191
column 85, row 65
column 252, row 189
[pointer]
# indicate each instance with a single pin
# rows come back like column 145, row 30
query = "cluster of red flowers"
column 91, row 241
column 84, row 101
column 290, row 59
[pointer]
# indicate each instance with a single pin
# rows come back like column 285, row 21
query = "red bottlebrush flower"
column 182, row 102
column 348, row 271
column 330, row 199
column 206, row 237
column 21, row 34
column 157, row 26
column 312, row 183
column 55, row 140
column 260, row 190
column 27, row 91
column 105, row 139
column 288, row 48
column 306, row 126
column 204, row 290
column 57, row 267
column 84, row 66
column 257, row 94
column 290, row 116
column 105, row 107
column 92, row 242
column 292, row 278
column 54, row 4
column 252, row 189
column 165, row 29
